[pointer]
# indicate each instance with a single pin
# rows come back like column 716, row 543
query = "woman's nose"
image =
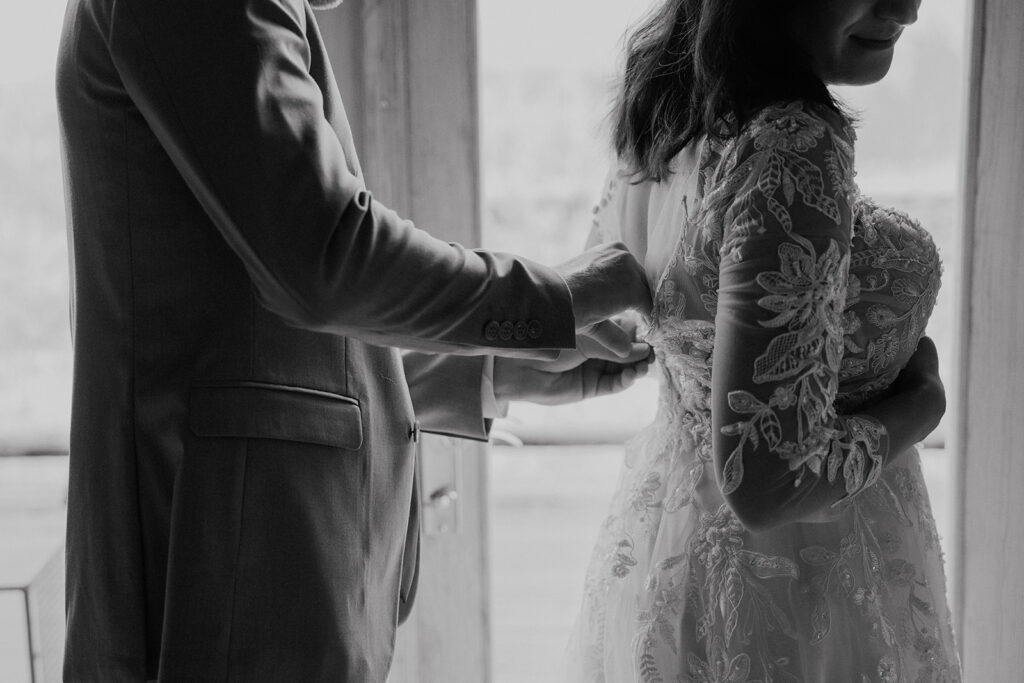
column 901, row 11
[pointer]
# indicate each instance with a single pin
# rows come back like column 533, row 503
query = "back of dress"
column 790, row 300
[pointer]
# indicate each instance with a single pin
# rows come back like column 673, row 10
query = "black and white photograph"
column 511, row 341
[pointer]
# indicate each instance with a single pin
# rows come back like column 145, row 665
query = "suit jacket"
column 242, row 429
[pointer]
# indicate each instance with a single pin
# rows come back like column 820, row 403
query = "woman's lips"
column 875, row 43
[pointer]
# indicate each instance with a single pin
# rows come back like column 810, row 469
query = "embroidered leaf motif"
column 835, row 459
column 781, row 304
column 811, row 184
column 669, row 562
column 788, row 190
column 698, row 668
column 874, row 563
column 889, row 499
column 649, row 668
column 852, row 367
column 771, row 429
column 668, row 634
column 732, row 473
column 853, row 470
column 682, row 494
column 729, row 601
column 882, row 351
column 779, row 211
column 821, row 620
column 882, row 317
column 745, row 402
column 920, row 604
column 776, row 612
column 906, row 291
column 817, row 555
column 771, row 172
column 900, row 572
column 794, row 264
column 787, row 355
column 623, row 559
column 739, row 669
column 766, row 566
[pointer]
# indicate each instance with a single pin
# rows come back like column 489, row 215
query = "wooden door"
column 990, row 431
column 407, row 71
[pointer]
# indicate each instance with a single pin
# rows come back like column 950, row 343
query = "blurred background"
column 547, row 73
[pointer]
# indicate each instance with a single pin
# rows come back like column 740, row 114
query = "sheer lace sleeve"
column 621, row 212
column 782, row 452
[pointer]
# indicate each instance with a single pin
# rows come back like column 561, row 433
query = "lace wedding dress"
column 761, row 242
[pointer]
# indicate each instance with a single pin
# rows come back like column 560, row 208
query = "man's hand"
column 569, row 378
column 604, row 281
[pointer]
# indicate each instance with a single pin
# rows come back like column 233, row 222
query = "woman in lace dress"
column 772, row 524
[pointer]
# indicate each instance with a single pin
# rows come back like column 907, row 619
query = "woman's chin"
column 864, row 72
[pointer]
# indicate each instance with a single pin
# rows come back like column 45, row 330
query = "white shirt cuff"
column 488, row 401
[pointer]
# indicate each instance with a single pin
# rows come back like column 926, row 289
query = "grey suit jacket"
column 241, row 447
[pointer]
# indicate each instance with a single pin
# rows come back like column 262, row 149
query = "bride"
column 772, row 524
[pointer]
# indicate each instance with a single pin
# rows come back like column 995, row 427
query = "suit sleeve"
column 783, row 453
column 226, row 87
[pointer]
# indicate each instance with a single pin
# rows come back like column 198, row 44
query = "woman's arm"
column 781, row 451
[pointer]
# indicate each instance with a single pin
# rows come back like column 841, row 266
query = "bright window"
column 35, row 340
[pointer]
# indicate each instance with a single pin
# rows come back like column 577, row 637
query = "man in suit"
column 241, row 486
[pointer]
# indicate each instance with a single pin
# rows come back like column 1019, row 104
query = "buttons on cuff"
column 507, row 330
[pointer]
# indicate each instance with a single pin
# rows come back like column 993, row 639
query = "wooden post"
column 407, row 73
column 989, row 595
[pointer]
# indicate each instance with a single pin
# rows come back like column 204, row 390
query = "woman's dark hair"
column 696, row 67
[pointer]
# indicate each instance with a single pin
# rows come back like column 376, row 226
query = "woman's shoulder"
column 798, row 125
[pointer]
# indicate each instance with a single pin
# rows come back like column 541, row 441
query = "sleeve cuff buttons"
column 507, row 330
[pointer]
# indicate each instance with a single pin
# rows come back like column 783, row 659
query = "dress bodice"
column 830, row 290
column 894, row 278
column 893, row 282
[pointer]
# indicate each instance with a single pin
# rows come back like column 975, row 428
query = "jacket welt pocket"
column 274, row 411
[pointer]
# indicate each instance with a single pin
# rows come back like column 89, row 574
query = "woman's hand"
column 920, row 379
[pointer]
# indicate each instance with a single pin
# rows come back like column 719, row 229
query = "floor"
column 547, row 503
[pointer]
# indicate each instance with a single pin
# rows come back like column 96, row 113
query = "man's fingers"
column 606, row 340
column 600, row 378
column 570, row 378
column 641, row 351
column 615, row 382
column 603, row 281
column 628, row 323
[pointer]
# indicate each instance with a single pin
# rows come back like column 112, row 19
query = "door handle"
column 440, row 466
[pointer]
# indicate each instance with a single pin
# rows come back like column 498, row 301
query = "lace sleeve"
column 782, row 451
column 620, row 214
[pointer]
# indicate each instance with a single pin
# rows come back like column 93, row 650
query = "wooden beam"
column 407, row 71
column 989, row 594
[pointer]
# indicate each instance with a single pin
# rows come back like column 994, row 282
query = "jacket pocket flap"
column 274, row 411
